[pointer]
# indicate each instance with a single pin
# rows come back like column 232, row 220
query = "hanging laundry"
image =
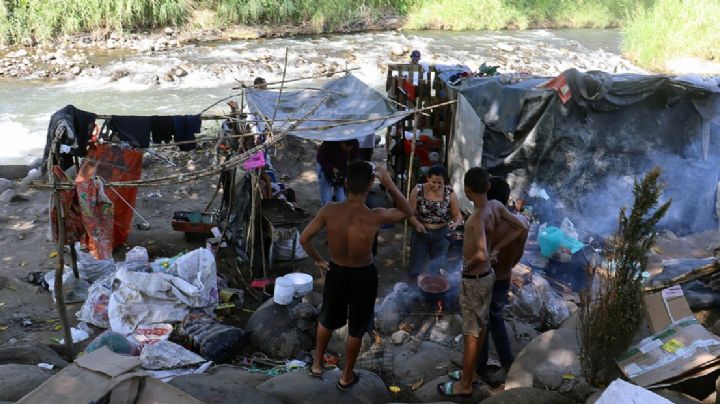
column 132, row 129
column 74, row 230
column 161, row 128
column 111, row 163
column 74, row 126
column 97, row 216
column 186, row 126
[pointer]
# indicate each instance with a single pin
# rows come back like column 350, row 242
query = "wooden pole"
column 59, row 292
column 416, row 123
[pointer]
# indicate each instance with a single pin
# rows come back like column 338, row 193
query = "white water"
column 26, row 106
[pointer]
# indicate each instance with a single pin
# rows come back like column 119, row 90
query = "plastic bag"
column 283, row 247
column 540, row 303
column 568, row 228
column 136, row 260
column 95, row 308
column 168, row 355
column 198, row 268
column 551, row 238
column 116, row 342
column 90, row 268
column 148, row 334
column 74, row 290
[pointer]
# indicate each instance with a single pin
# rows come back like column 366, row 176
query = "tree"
column 612, row 310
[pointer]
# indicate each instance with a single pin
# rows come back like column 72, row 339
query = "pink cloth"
column 257, row 160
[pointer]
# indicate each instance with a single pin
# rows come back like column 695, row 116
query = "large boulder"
column 545, row 361
column 282, row 331
column 299, row 388
column 18, row 380
column 30, row 354
column 429, row 392
column 428, row 362
column 528, row 395
column 225, row 385
column 338, row 341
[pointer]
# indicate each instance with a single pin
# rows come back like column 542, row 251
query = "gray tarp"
column 348, row 98
column 586, row 152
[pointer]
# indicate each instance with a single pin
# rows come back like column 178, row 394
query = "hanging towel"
column 132, row 129
column 186, row 126
column 161, row 128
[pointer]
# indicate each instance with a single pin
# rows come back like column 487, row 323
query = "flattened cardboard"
column 657, row 305
column 676, row 351
column 108, row 362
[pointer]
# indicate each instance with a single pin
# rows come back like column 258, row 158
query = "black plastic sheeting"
column 615, row 127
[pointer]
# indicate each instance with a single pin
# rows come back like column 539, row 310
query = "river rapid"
column 188, row 78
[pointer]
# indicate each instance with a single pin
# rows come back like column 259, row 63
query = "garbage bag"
column 141, row 297
column 116, row 342
column 540, row 304
column 90, row 268
column 213, row 340
column 95, row 308
column 168, row 355
column 283, row 248
column 136, row 260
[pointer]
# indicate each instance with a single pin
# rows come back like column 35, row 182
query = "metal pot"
column 433, row 287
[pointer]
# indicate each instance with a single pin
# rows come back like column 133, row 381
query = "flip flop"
column 346, row 387
column 456, row 374
column 312, row 373
column 446, row 389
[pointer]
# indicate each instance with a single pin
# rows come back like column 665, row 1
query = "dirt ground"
column 27, row 312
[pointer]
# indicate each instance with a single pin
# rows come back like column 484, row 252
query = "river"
column 146, row 84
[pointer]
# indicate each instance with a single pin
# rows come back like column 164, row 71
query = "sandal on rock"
column 346, row 387
column 313, row 373
column 446, row 389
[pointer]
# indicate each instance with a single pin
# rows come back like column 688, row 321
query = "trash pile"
column 162, row 311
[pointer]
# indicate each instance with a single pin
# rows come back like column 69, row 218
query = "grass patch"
column 46, row 19
column 671, row 29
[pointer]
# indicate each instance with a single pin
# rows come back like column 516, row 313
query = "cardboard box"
column 680, row 349
column 666, row 306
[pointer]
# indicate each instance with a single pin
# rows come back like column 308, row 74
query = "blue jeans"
column 431, row 243
column 496, row 328
column 327, row 190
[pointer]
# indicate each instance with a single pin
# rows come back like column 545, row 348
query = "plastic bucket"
column 284, row 291
column 302, row 282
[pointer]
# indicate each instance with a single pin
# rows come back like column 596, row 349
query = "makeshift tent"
column 346, row 98
column 584, row 136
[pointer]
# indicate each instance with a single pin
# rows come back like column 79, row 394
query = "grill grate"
column 282, row 214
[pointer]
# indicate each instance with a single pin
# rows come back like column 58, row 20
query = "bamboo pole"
column 416, row 123
column 59, row 292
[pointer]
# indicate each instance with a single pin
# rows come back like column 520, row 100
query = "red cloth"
column 74, row 230
column 113, row 164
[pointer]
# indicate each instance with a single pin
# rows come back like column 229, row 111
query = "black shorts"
column 349, row 297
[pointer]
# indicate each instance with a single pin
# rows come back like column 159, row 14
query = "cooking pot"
column 433, row 287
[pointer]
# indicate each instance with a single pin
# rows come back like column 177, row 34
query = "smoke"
column 691, row 182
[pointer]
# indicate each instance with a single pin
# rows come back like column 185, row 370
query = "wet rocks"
column 7, row 196
column 30, row 354
column 6, row 184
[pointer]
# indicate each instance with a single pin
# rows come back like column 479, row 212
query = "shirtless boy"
column 478, row 276
column 508, row 257
column 351, row 277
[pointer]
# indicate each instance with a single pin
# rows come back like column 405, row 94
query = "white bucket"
column 284, row 291
column 302, row 282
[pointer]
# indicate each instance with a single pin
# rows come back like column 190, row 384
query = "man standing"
column 351, row 277
column 477, row 277
column 508, row 257
column 332, row 161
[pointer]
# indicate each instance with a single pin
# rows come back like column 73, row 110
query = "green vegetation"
column 48, row 18
column 611, row 312
column 498, row 14
column 655, row 30
column 673, row 28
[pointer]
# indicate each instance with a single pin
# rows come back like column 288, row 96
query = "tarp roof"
column 586, row 151
column 348, row 98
